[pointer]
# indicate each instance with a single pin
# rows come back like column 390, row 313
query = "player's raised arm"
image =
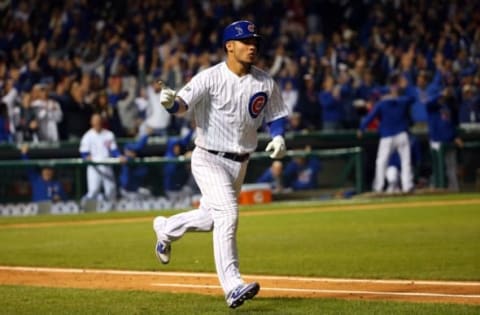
column 172, row 103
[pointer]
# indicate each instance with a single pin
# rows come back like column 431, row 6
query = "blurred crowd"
column 61, row 61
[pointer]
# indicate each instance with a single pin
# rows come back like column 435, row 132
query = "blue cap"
column 240, row 30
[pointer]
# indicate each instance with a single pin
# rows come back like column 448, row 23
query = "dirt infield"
column 272, row 286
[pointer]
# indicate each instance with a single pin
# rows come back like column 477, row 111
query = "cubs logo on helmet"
column 257, row 103
column 240, row 30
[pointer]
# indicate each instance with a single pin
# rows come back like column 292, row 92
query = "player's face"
column 47, row 174
column 421, row 81
column 96, row 122
column 245, row 50
column 157, row 87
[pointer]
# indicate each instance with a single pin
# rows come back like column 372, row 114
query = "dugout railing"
column 350, row 171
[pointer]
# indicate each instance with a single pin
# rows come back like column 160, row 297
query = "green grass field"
column 385, row 239
column 29, row 300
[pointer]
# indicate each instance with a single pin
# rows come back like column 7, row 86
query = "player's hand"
column 277, row 145
column 122, row 159
column 167, row 97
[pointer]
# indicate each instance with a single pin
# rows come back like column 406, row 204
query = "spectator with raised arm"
column 48, row 114
column 330, row 100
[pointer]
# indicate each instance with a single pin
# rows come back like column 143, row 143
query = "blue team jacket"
column 43, row 190
column 418, row 110
column 301, row 177
column 442, row 120
column 175, row 174
column 132, row 177
column 393, row 114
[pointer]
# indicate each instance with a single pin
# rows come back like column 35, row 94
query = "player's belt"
column 231, row 156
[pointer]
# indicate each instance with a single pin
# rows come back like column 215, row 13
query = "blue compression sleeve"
column 277, row 127
column 174, row 108
column 115, row 153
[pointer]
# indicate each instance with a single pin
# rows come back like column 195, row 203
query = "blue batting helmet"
column 240, row 30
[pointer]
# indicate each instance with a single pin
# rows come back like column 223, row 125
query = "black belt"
column 231, row 156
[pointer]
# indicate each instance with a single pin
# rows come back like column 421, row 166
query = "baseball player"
column 132, row 177
column 44, row 185
column 443, row 134
column 96, row 145
column 273, row 176
column 392, row 174
column 393, row 112
column 301, row 173
column 229, row 100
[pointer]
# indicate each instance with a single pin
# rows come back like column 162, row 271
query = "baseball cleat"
column 162, row 248
column 162, row 251
column 242, row 293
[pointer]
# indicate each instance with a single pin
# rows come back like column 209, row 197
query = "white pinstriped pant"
column 99, row 176
column 220, row 181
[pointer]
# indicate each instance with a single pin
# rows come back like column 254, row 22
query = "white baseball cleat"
column 162, row 248
column 242, row 293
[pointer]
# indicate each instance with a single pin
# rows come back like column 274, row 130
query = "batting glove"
column 167, row 98
column 277, row 145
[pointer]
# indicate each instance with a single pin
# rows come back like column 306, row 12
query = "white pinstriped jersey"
column 98, row 144
column 229, row 109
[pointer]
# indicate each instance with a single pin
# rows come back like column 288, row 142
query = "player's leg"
column 108, row 181
column 451, row 168
column 392, row 175
column 174, row 227
column 94, row 183
column 225, row 243
column 437, row 171
column 403, row 146
column 383, row 154
column 170, row 229
column 226, row 239
column 220, row 180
